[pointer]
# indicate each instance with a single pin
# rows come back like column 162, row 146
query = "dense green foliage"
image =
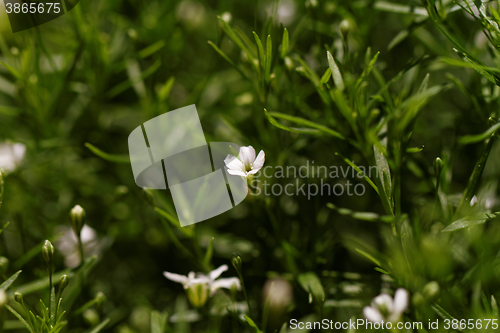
column 354, row 83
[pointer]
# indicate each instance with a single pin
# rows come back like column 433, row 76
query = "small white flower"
column 199, row 285
column 246, row 163
column 68, row 244
column 384, row 308
column 11, row 156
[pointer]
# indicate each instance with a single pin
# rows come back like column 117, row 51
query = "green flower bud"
column 91, row 317
column 48, row 251
column 3, row 298
column 431, row 290
column 418, row 299
column 63, row 282
column 100, row 298
column 236, row 261
column 77, row 215
column 18, row 297
column 438, row 166
column 345, row 28
column 4, row 265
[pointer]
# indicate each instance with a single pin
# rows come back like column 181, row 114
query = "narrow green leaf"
column 219, row 51
column 326, row 76
column 368, row 256
column 400, row 8
column 337, row 76
column 275, row 123
column 158, row 322
column 355, row 167
column 174, row 221
column 100, row 327
column 384, row 174
column 260, row 48
column 285, row 44
column 165, row 89
column 269, row 57
column 468, row 139
column 470, row 221
column 367, row 69
column 151, row 49
column 311, row 284
column 106, row 156
column 12, row 70
column 251, row 323
column 21, row 319
column 7, row 283
column 208, row 255
column 301, row 121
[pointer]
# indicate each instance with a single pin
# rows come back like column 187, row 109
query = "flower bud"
column 18, row 297
column 100, row 298
column 48, row 251
column 345, row 28
column 438, row 166
column 4, row 265
column 431, row 290
column 236, row 261
column 77, row 215
column 226, row 17
column 418, row 299
column 3, row 298
column 63, row 282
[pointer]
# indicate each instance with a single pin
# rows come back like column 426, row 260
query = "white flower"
column 246, row 163
column 68, row 244
column 11, row 156
column 384, row 308
column 199, row 285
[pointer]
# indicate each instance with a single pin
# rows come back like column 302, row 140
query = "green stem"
column 50, row 288
column 80, row 249
column 245, row 293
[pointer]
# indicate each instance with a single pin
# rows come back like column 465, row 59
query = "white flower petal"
column 383, row 301
column 229, row 158
column 227, row 283
column 259, row 161
column 234, row 164
column 400, row 300
column 372, row 314
column 247, row 155
column 198, row 280
column 176, row 277
column 217, row 272
column 236, row 173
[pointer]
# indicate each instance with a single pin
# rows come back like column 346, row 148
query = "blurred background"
column 73, row 89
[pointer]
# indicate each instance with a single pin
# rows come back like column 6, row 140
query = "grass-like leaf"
column 7, row 283
column 468, row 139
column 470, row 221
column 21, row 319
column 106, row 156
column 311, row 284
column 337, row 76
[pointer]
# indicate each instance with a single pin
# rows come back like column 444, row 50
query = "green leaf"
column 21, row 319
column 476, row 175
column 367, row 69
column 337, row 76
column 219, row 51
column 12, row 70
column 311, row 284
column 355, row 167
column 470, row 221
column 368, row 256
column 208, row 255
column 42, row 283
column 151, row 49
column 275, row 123
column 4, row 286
column 301, row 121
column 251, row 323
column 260, row 48
column 106, row 156
column 100, row 327
column 174, row 221
column 135, row 78
column 269, row 57
column 468, row 139
column 285, row 44
column 384, row 176
column 165, row 90
column 400, row 8
column 326, row 76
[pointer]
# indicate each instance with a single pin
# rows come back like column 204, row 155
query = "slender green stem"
column 245, row 293
column 49, row 264
column 80, row 249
